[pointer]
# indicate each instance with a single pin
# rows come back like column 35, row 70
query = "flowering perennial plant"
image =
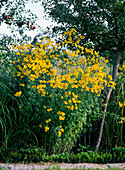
column 59, row 76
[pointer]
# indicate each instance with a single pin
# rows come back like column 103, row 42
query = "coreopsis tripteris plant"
column 56, row 73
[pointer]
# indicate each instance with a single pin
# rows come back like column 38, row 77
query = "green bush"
column 38, row 154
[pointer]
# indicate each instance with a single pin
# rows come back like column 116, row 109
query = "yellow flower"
column 18, row 53
column 81, row 37
column 76, row 107
column 62, row 130
column 21, row 77
column 110, row 77
column 120, row 121
column 12, row 46
column 50, row 95
column 22, row 85
column 46, row 128
column 59, row 133
column 65, row 102
column 63, row 114
column 120, row 104
column 106, row 61
column 66, row 94
column 40, row 126
column 47, row 121
column 73, row 29
column 32, row 79
column 72, row 107
column 33, row 86
column 13, row 62
column 44, row 107
column 70, row 101
column 18, row 93
column 18, row 73
column 123, row 118
column 48, row 110
column 61, row 118
column 58, row 112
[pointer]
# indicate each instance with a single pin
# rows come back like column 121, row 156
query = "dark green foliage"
column 102, row 23
column 38, row 154
column 118, row 154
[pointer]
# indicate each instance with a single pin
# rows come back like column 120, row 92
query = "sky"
column 37, row 9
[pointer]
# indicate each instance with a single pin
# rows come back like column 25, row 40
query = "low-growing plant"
column 38, row 154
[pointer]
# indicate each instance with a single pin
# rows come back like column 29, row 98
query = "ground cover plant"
column 36, row 154
column 51, row 90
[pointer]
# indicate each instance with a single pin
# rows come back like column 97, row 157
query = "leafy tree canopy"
column 14, row 14
column 102, row 22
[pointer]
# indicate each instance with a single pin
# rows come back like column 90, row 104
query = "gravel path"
column 62, row 165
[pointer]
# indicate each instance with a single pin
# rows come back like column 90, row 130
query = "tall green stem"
column 115, row 72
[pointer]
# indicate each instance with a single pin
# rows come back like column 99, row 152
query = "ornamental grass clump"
column 113, row 134
column 54, row 86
